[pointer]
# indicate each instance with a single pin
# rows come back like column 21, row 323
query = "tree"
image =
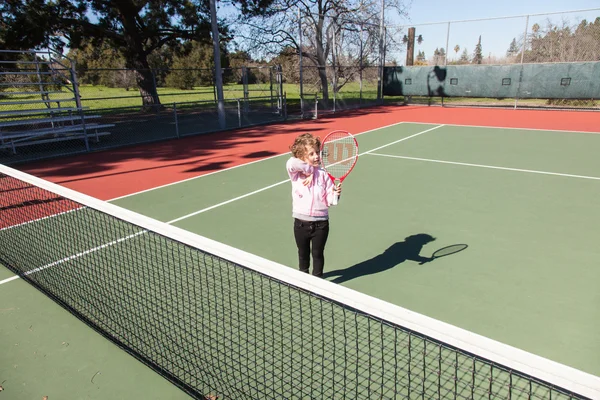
column 25, row 24
column 464, row 57
column 193, row 65
column 442, row 55
column 513, row 50
column 101, row 65
column 478, row 54
column 136, row 28
column 439, row 56
column 288, row 59
column 456, row 49
column 327, row 27
column 564, row 42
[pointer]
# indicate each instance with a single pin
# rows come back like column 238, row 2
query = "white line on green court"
column 487, row 166
column 505, row 127
column 227, row 202
column 236, row 166
column 287, row 180
column 204, row 209
column 74, row 256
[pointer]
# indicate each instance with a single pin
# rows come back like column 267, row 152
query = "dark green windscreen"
column 541, row 81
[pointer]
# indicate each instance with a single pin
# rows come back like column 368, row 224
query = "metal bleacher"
column 40, row 102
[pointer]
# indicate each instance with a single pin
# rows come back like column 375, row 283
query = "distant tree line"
column 549, row 43
column 187, row 65
column 145, row 36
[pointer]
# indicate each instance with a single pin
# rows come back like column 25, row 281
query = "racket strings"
column 339, row 155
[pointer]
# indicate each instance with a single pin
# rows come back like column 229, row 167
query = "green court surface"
column 48, row 352
column 524, row 201
column 529, row 276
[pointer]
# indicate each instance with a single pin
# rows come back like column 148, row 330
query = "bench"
column 12, row 140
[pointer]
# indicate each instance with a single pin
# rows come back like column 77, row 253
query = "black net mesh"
column 213, row 326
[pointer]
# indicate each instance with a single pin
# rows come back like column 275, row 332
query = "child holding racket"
column 313, row 193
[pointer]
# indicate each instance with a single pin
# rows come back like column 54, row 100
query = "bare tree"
column 564, row 42
column 332, row 31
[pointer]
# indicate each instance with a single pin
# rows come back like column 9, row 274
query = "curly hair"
column 298, row 149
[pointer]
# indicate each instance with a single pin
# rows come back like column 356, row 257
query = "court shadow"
column 397, row 253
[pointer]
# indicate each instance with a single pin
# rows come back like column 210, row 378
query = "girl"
column 312, row 194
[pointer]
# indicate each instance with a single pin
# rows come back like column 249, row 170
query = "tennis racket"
column 445, row 251
column 339, row 153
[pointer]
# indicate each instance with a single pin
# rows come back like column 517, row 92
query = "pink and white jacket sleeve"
column 297, row 167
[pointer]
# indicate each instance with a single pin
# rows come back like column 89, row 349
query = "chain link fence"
column 343, row 72
column 48, row 108
column 564, row 37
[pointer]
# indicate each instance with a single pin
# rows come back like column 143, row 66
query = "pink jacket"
column 313, row 200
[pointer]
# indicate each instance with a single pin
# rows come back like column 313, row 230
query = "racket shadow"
column 397, row 253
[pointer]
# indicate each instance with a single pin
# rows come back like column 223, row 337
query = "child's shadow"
column 397, row 253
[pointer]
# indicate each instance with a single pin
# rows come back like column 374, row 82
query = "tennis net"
column 218, row 321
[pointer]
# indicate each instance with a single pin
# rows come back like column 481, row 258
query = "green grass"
column 97, row 97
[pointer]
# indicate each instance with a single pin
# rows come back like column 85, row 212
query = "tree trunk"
column 324, row 82
column 146, row 83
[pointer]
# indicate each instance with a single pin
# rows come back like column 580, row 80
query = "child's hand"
column 338, row 189
column 308, row 180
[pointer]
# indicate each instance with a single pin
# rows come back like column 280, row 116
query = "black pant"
column 306, row 232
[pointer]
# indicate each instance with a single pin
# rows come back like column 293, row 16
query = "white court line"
column 487, row 166
column 41, row 219
column 504, row 127
column 236, row 166
column 287, row 180
column 207, row 208
column 74, row 256
column 227, row 202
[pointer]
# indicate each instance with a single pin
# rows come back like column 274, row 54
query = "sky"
column 496, row 35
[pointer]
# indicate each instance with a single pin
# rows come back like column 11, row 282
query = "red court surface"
column 119, row 172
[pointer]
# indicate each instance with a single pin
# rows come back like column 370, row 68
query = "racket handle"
column 336, row 197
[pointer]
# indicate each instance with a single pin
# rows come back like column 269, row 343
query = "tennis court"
column 523, row 200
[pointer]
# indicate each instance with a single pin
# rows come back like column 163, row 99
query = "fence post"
column 271, row 83
column 239, row 112
column 446, row 61
column 333, row 59
column 176, row 120
column 381, row 51
column 383, row 62
column 245, row 89
column 360, row 68
column 279, row 70
column 522, row 58
column 300, row 62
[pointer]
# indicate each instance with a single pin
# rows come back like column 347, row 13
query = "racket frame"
column 355, row 159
